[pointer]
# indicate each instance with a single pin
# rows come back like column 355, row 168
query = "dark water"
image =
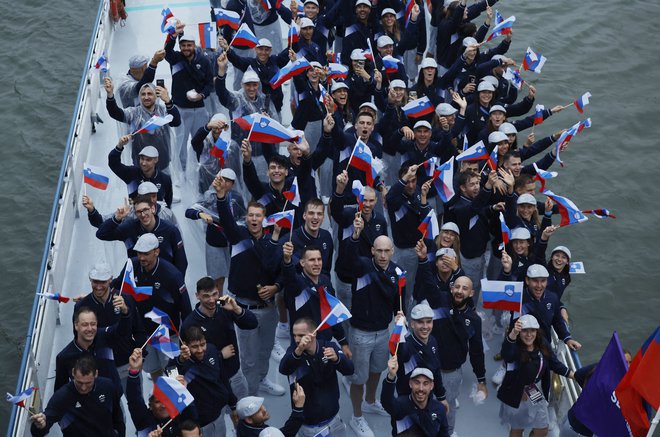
column 607, row 48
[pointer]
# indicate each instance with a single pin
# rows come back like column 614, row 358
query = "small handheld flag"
column 542, row 175
column 358, row 192
column 95, row 176
column 363, row 160
column 476, row 152
column 513, row 76
column 293, row 195
column 429, row 226
column 391, row 64
column 401, row 280
column 55, row 296
column 221, row 147
column 244, row 38
column 337, row 71
column 502, row 295
column 19, row 399
column 502, row 28
column 601, row 213
column 226, row 18
column 533, row 61
column 283, row 219
column 154, row 123
column 207, row 39
column 293, row 36
column 444, row 181
column 506, row 232
column 333, row 312
column 161, row 341
column 267, row 130
column 398, row 335
column 168, row 24
column 538, row 114
column 128, row 286
column 582, row 102
column 576, row 267
column 173, row 395
column 246, row 121
column 102, row 63
column 418, row 108
column 161, row 317
column 290, row 70
column 570, row 214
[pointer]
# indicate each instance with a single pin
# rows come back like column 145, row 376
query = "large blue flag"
column 597, row 406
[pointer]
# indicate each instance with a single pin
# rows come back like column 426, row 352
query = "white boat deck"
column 142, row 35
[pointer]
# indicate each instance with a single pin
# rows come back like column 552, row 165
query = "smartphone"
column 160, row 83
column 472, row 79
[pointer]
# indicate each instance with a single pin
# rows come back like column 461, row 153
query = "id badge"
column 533, row 393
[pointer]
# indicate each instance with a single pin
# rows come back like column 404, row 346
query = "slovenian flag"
column 582, row 102
column 161, row 341
column 533, row 61
column 502, row 28
column 474, row 153
column 168, row 24
column 363, row 160
column 244, row 38
column 398, row 334
column 333, row 312
column 267, row 130
column 499, row 19
column 226, row 18
column 538, row 114
column 492, row 159
column 220, row 147
column 568, row 135
column 154, row 123
column 408, row 11
column 541, row 176
column 246, row 121
column 444, row 181
column 513, row 76
column 570, row 214
column 19, row 399
column 173, row 395
column 401, row 279
column 337, row 71
column 335, row 58
column 293, row 195
column 601, row 213
column 102, row 63
column 293, row 36
column 418, row 108
column 290, row 70
column 466, row 145
column 95, row 177
column 583, row 124
column 55, row 296
column 207, row 38
column 282, row 219
column 502, row 295
column 429, row 226
column 391, row 64
column 358, row 192
column 506, row 232
column 161, row 317
column 128, row 286
column 430, row 167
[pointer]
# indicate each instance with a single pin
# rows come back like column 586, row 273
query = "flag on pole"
column 499, row 19
column 244, row 38
column 173, row 395
column 221, row 147
column 363, row 160
column 246, row 121
column 333, row 312
column 161, row 340
column 492, row 159
column 293, row 195
column 538, row 114
column 533, row 61
column 225, row 17
column 601, row 213
column 161, row 317
column 502, row 28
column 582, row 102
column 55, row 296
column 267, row 130
column 502, row 295
column 154, row 123
column 19, row 399
column 140, row 294
column 401, row 279
column 398, row 334
column 168, row 24
column 444, row 181
column 595, row 407
column 570, row 214
column 542, row 175
column 290, row 70
column 466, row 145
column 358, row 192
column 337, row 71
column 476, row 152
column 646, row 379
column 391, row 64
column 102, row 63
column 207, row 39
column 506, row 232
column 418, row 108
column 408, row 11
column 293, row 36
column 429, row 226
column 95, row 176
column 283, row 219
column 513, row 75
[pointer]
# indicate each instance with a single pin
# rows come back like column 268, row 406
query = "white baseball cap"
column 445, row 109
column 529, row 322
column 146, row 243
column 149, row 152
column 497, row 136
column 306, row 22
column 264, row 42
column 422, row 123
column 526, row 199
column 383, row 41
column 428, row 63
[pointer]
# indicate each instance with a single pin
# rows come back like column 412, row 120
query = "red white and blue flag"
column 102, row 63
column 246, row 121
column 283, row 219
column 173, row 395
column 474, row 153
column 337, row 71
column 293, row 195
column 646, row 378
column 601, row 213
column 358, row 192
column 293, row 36
column 154, row 123
column 220, row 147
column 533, row 61
column 290, row 70
column 335, row 58
column 502, row 295
column 429, row 226
column 391, row 64
column 492, row 159
column 430, row 167
column 502, row 28
column 410, row 4
column 161, row 317
column 161, row 341
column 418, row 108
column 224, row 17
column 267, row 130
column 542, row 175
column 398, row 334
column 444, row 180
column 538, row 114
column 363, row 160
column 168, row 23
column 95, row 176
column 568, row 136
column 128, row 286
column 333, row 312
column 582, row 102
column 499, row 19
column 207, row 38
column 244, row 38
column 466, row 145
column 506, row 232
column 570, row 214
column 514, row 76
column 19, row 399
column 55, row 296
column 401, row 279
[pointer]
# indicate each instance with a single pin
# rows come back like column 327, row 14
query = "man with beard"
column 140, row 71
column 418, row 413
column 253, row 415
column 459, row 334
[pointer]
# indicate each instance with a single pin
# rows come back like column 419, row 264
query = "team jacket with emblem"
column 97, row 413
column 219, row 331
column 407, row 416
column 290, row 428
column 208, row 382
column 406, row 213
column 547, row 312
column 375, row 290
column 415, row 353
column 318, row 378
column 195, row 74
column 132, row 175
column 430, row 286
column 301, row 239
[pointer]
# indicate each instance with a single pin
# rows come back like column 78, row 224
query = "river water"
column 606, row 48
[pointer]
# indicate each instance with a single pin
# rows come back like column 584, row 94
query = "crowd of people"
column 352, row 236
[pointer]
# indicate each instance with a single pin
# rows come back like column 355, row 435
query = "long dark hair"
column 539, row 343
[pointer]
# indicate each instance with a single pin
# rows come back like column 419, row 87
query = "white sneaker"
column 361, row 427
column 498, row 377
column 268, row 386
column 282, row 330
column 375, row 408
column 277, row 353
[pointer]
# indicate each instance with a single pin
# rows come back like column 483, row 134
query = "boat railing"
column 564, row 391
column 45, row 314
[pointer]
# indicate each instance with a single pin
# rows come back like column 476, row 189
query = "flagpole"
column 152, row 334
column 291, row 231
column 654, row 424
column 350, row 157
column 252, row 127
column 167, row 423
column 284, row 209
column 322, row 322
